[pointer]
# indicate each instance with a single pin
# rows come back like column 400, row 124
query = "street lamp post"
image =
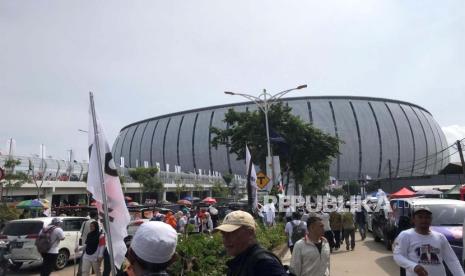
column 264, row 101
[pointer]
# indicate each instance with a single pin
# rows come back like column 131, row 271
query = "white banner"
column 117, row 212
column 253, row 176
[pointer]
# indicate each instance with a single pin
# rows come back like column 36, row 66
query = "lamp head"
column 302, row 86
column 228, row 92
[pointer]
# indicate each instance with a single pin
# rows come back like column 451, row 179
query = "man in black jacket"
column 239, row 240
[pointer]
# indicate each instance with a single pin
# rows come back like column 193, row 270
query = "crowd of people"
column 311, row 237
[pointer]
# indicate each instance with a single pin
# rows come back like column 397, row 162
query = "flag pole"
column 102, row 184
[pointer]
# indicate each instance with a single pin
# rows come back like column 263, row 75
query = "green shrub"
column 8, row 213
column 202, row 254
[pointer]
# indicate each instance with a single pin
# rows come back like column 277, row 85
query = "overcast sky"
column 147, row 58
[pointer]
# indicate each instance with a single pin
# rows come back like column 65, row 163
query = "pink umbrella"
column 209, row 200
column 184, row 202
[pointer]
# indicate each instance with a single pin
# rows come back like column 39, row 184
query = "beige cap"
column 235, row 220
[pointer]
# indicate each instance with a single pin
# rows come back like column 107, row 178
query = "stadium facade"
column 374, row 131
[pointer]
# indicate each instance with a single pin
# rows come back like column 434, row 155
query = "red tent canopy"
column 404, row 192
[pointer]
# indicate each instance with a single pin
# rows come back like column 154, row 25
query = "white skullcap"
column 155, row 242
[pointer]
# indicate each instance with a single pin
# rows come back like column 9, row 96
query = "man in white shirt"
column 289, row 230
column 311, row 254
column 56, row 235
column 422, row 251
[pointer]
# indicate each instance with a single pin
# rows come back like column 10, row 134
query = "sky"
column 147, row 58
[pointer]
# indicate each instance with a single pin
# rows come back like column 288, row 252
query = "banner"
column 117, row 212
column 253, row 176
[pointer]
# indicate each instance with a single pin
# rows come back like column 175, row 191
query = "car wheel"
column 16, row 266
column 62, row 259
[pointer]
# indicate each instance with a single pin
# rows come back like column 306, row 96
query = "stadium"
column 380, row 137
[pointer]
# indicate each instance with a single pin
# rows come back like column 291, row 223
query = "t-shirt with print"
column 412, row 249
column 55, row 237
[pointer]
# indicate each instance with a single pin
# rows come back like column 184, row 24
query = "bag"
column 260, row 254
column 44, row 241
column 298, row 232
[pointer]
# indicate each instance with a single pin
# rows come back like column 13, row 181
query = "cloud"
column 454, row 133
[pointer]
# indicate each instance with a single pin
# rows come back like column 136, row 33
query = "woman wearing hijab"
column 93, row 250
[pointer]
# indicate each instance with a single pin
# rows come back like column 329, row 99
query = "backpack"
column 298, row 232
column 44, row 241
column 260, row 254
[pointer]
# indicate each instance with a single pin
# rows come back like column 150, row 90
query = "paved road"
column 34, row 270
column 368, row 258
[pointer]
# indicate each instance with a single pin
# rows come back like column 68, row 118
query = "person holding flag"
column 104, row 185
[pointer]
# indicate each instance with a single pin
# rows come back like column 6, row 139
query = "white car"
column 22, row 234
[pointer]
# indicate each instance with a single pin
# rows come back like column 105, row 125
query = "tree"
column 304, row 151
column 219, row 190
column 351, row 188
column 149, row 180
column 11, row 178
column 228, row 178
column 41, row 174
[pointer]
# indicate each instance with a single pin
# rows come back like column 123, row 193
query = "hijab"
column 92, row 240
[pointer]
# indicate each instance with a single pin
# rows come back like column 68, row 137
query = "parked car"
column 22, row 234
column 132, row 228
column 383, row 227
column 448, row 217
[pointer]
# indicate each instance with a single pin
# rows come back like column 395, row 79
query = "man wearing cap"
column 56, row 235
column 152, row 249
column 239, row 240
column 422, row 251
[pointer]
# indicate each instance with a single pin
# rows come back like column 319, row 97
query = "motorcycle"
column 5, row 262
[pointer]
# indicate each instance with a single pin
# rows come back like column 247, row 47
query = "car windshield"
column 447, row 214
column 22, row 228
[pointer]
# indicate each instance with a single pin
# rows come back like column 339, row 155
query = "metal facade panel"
column 432, row 144
column 116, row 150
column 406, row 142
column 126, row 146
column 421, row 149
column 157, row 144
column 185, row 143
column 323, row 120
column 347, row 131
column 369, row 137
column 219, row 156
column 135, row 147
column 170, row 142
column 388, row 137
column 201, row 142
column 300, row 109
column 146, row 143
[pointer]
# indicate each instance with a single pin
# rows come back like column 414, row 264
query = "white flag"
column 117, row 212
column 253, row 176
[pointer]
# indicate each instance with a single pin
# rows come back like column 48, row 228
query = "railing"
column 61, row 170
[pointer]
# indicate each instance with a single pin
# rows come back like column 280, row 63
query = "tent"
column 402, row 193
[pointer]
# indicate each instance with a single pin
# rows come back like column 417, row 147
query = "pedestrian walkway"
column 368, row 258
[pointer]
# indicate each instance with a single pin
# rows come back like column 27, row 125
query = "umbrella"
column 133, row 203
column 128, row 198
column 184, row 202
column 45, row 202
column 188, row 198
column 30, row 204
column 209, row 200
